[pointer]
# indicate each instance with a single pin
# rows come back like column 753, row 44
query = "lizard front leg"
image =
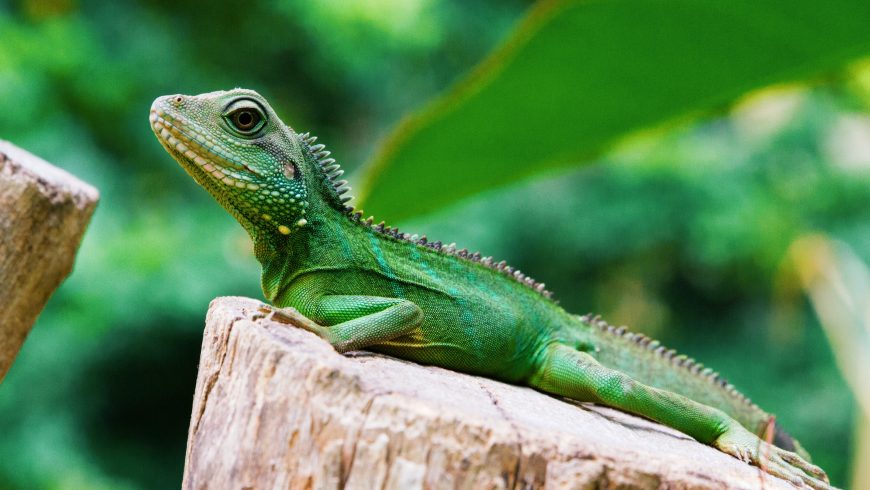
column 351, row 322
column 567, row 372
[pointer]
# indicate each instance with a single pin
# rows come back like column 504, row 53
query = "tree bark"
column 43, row 214
column 276, row 407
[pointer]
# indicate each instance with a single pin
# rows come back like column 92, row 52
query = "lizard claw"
column 778, row 462
column 293, row 318
column 795, row 460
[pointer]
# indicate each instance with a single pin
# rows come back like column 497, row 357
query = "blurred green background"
column 637, row 160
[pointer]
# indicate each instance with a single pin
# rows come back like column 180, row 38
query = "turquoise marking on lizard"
column 372, row 287
column 385, row 268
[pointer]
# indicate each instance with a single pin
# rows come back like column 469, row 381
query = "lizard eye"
column 245, row 120
column 245, row 117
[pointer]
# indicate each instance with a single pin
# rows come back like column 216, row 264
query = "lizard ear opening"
column 289, row 170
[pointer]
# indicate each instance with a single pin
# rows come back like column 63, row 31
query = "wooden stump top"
column 277, row 407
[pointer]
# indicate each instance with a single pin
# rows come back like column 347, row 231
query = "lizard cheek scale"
column 370, row 286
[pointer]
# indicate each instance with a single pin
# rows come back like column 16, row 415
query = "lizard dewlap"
column 370, row 286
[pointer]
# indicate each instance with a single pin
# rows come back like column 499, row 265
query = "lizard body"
column 373, row 287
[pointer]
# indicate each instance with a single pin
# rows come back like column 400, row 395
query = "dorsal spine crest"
column 331, row 171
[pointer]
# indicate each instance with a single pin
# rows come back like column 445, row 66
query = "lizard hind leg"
column 568, row 372
column 565, row 371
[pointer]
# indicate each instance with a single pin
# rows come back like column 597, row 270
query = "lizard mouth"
column 200, row 151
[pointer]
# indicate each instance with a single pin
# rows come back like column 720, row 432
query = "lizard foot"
column 778, row 462
column 289, row 316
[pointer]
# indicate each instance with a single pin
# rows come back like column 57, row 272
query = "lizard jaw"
column 196, row 152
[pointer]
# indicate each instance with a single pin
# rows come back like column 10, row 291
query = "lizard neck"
column 324, row 212
column 333, row 227
column 320, row 244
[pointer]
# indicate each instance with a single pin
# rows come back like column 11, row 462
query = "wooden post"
column 277, row 408
column 43, row 214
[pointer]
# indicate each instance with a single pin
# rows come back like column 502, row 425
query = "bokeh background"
column 704, row 221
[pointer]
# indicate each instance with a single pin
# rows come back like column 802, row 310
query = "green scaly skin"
column 372, row 287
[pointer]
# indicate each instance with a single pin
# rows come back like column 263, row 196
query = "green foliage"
column 100, row 394
column 577, row 77
column 680, row 234
column 684, row 237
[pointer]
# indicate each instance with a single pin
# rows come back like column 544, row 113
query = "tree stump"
column 43, row 214
column 276, row 407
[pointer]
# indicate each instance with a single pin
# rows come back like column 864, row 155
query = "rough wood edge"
column 276, row 407
column 44, row 212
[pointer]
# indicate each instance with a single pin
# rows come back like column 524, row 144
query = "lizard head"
column 235, row 146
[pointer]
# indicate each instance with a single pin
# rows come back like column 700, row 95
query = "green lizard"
column 372, row 287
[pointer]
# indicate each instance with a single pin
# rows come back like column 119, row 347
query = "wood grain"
column 43, row 214
column 277, row 408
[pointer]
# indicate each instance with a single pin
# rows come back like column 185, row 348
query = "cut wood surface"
column 277, row 408
column 43, row 214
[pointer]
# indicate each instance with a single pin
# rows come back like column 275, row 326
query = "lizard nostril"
column 178, row 99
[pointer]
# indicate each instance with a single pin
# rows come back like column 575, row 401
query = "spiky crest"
column 332, row 171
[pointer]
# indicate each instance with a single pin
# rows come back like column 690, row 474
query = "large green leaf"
column 577, row 76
